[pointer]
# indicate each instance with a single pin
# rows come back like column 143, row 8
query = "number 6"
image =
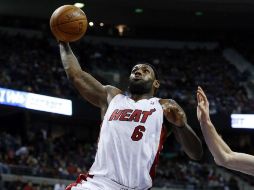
column 138, row 133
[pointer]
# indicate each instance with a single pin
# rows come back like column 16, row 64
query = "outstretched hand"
column 203, row 106
column 174, row 113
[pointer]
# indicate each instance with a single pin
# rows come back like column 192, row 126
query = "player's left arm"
column 183, row 132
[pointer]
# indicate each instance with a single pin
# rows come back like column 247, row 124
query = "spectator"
column 59, row 186
column 29, row 186
column 180, row 69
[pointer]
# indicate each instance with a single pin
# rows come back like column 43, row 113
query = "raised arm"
column 91, row 89
column 183, row 132
column 221, row 152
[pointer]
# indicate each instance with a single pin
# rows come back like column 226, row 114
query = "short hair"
column 154, row 70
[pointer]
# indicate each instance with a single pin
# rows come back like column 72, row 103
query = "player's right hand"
column 203, row 106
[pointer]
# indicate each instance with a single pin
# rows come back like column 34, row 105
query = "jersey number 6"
column 138, row 133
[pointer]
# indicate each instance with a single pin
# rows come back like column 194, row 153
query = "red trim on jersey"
column 163, row 137
column 81, row 177
column 71, row 185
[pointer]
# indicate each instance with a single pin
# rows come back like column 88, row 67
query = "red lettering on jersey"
column 115, row 115
column 130, row 115
column 146, row 114
column 125, row 115
column 135, row 116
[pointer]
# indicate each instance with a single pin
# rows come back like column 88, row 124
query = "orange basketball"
column 68, row 23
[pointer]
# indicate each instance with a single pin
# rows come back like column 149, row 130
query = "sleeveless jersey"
column 130, row 141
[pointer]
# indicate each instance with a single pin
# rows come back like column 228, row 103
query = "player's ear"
column 156, row 84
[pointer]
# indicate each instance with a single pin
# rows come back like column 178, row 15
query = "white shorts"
column 99, row 183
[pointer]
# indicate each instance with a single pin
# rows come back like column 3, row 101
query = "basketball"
column 68, row 23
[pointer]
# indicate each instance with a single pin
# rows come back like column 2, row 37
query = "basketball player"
column 222, row 154
column 133, row 128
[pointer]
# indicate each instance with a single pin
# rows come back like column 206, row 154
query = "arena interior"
column 191, row 43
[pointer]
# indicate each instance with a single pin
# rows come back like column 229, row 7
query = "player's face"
column 141, row 79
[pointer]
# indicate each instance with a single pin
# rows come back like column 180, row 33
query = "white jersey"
column 130, row 141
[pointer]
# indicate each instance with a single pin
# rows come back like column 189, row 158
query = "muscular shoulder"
column 111, row 92
column 167, row 101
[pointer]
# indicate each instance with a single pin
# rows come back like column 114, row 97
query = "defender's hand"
column 203, row 106
column 174, row 113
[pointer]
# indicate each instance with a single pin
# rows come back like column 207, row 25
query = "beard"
column 140, row 87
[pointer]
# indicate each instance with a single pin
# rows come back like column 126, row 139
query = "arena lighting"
column 139, row 10
column 243, row 121
column 199, row 13
column 91, row 24
column 35, row 101
column 79, row 5
column 121, row 28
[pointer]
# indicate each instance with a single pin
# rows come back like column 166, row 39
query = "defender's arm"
column 221, row 152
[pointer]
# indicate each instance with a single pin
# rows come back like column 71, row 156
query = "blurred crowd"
column 184, row 175
column 33, row 64
column 180, row 172
column 49, row 158
column 65, row 157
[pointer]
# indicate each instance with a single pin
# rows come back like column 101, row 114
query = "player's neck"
column 137, row 97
